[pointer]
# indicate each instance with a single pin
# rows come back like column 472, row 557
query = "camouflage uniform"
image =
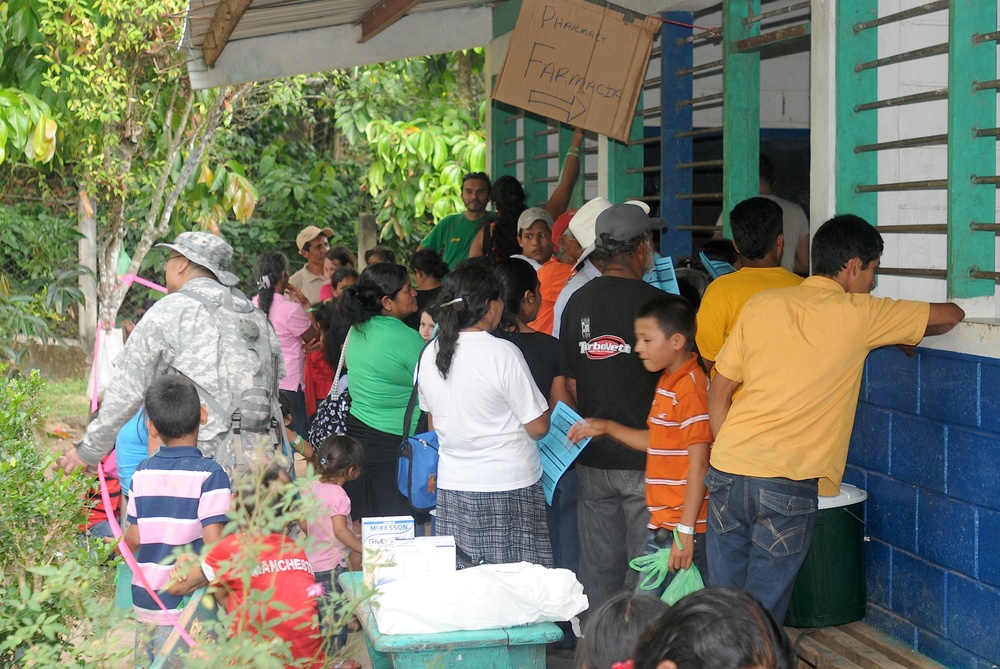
column 179, row 335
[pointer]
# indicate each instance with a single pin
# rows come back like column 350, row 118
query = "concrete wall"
column 926, row 447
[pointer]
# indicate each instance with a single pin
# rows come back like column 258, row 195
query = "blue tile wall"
column 945, row 652
column 947, row 532
column 870, row 438
column 917, row 450
column 892, row 511
column 973, row 468
column 948, row 388
column 926, row 447
column 989, row 402
column 893, row 378
column 973, row 612
column 878, row 573
column 989, row 546
column 918, row 590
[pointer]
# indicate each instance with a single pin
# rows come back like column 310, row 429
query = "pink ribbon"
column 130, row 558
column 129, row 279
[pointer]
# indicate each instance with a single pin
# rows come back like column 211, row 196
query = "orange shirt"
column 552, row 278
column 677, row 420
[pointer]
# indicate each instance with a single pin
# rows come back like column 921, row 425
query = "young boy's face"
column 536, row 241
column 657, row 351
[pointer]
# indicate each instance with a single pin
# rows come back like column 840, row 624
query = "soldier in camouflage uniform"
column 180, row 335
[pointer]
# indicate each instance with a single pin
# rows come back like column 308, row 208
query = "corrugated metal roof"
column 273, row 17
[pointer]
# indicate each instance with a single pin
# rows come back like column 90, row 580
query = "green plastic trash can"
column 830, row 588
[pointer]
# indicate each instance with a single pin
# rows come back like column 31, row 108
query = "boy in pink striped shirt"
column 178, row 502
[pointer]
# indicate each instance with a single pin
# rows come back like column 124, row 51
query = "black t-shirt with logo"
column 597, row 338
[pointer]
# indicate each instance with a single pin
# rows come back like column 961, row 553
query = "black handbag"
column 330, row 418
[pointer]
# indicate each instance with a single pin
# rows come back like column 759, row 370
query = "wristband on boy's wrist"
column 685, row 529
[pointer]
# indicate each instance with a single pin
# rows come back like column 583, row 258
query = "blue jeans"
column 561, row 517
column 149, row 640
column 700, row 560
column 759, row 533
column 611, row 504
column 332, row 624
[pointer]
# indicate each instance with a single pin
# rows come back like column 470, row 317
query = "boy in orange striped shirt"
column 679, row 436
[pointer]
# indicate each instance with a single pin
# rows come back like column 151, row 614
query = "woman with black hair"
column 487, row 413
column 293, row 324
column 381, row 355
column 428, row 269
column 521, row 300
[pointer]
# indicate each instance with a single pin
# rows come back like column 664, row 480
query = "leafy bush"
column 38, row 253
column 54, row 608
column 39, row 272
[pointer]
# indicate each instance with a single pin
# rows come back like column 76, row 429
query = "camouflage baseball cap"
column 208, row 250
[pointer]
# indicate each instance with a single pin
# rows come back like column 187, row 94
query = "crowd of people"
column 715, row 417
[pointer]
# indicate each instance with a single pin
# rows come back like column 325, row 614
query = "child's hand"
column 179, row 572
column 681, row 558
column 589, row 427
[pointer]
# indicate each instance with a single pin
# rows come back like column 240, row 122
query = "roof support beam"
column 335, row 48
column 383, row 15
column 227, row 17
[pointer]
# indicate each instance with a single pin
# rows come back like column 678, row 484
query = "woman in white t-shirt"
column 487, row 412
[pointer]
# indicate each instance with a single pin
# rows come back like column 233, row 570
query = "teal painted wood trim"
column 970, row 156
column 504, row 128
column 674, row 150
column 621, row 158
column 741, row 108
column 533, row 167
column 579, row 190
column 856, row 128
column 505, row 17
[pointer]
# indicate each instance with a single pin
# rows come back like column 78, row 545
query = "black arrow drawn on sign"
column 572, row 108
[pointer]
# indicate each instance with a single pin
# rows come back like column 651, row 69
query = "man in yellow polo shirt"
column 799, row 353
column 757, row 234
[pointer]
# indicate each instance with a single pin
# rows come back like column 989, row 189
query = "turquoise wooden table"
column 521, row 647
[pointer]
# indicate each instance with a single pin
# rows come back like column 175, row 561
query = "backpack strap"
column 340, row 365
column 411, row 405
column 230, row 414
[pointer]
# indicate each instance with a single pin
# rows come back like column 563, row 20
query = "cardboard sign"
column 578, row 62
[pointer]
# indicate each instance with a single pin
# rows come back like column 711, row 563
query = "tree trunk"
column 87, row 257
column 464, row 78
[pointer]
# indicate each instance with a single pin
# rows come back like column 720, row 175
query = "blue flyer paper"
column 716, row 268
column 557, row 451
column 663, row 276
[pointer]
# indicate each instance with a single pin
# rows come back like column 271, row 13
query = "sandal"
column 347, row 664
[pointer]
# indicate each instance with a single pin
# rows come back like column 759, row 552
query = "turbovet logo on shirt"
column 603, row 347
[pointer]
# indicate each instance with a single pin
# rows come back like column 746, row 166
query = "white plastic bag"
column 110, row 344
column 485, row 597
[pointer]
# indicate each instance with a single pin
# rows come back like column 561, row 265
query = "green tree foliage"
column 133, row 133
column 421, row 120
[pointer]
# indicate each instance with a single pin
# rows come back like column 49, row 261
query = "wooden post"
column 621, row 157
column 740, row 108
column 534, row 192
column 673, row 149
column 969, row 155
column 855, row 128
column 367, row 237
column 502, row 134
column 87, row 253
